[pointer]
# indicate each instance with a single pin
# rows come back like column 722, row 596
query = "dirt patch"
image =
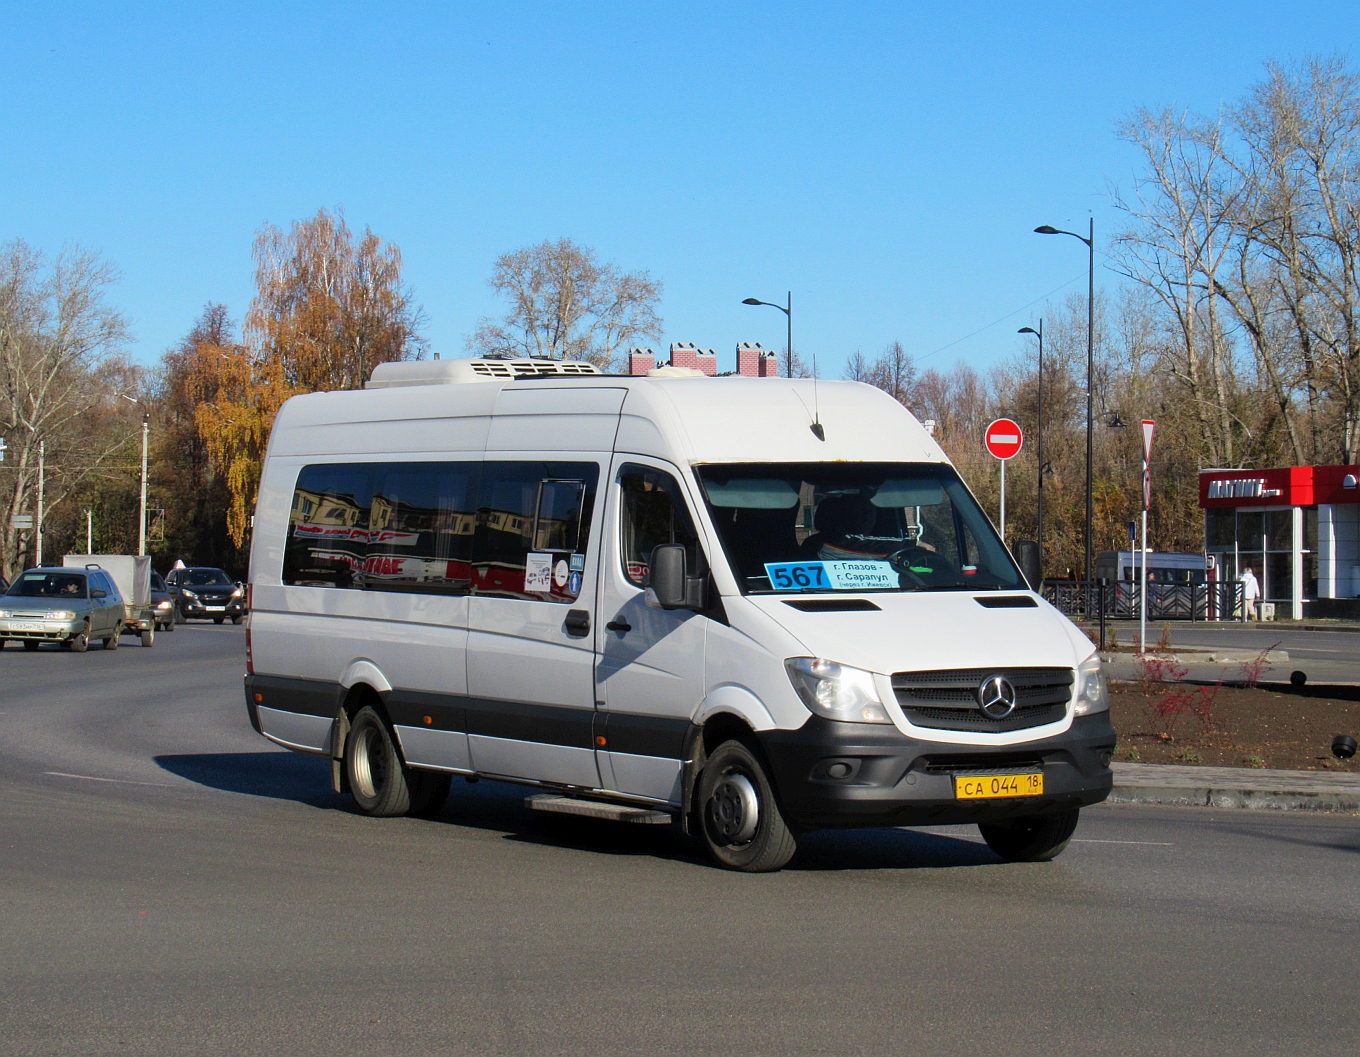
column 1289, row 728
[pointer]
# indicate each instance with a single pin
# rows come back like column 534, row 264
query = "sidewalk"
column 1234, row 787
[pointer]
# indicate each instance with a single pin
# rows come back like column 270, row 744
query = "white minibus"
column 752, row 606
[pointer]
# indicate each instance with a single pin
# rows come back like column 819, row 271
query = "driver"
column 844, row 526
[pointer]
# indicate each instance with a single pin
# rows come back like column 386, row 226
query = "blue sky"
column 886, row 162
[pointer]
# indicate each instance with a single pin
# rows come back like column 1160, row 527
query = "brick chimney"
column 756, row 361
column 708, row 362
column 684, row 354
column 640, row 361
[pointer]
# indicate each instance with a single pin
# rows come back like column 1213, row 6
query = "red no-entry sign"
column 1004, row 439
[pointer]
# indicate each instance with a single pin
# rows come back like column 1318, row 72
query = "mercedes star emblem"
column 996, row 697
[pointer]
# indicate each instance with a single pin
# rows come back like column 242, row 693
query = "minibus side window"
column 532, row 525
column 652, row 512
column 420, row 528
column 327, row 542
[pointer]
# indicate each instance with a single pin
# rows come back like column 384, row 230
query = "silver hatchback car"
column 66, row 606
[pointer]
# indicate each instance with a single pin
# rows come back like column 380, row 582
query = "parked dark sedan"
column 204, row 593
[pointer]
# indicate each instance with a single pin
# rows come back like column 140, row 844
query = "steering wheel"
column 901, row 563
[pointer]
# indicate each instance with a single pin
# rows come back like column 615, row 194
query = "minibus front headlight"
column 1092, row 693
column 836, row 691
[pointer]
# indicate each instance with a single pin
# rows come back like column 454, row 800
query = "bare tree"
column 565, row 304
column 59, row 345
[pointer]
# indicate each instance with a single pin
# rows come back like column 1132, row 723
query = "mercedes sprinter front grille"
column 947, row 699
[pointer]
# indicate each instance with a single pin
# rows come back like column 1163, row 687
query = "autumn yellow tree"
column 328, row 308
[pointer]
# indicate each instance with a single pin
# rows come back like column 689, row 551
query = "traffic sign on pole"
column 1004, row 439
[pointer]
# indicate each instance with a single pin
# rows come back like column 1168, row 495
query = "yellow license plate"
column 996, row 786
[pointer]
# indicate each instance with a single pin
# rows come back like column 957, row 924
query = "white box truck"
column 132, row 574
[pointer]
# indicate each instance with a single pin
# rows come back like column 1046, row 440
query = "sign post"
column 1148, row 427
column 1004, row 440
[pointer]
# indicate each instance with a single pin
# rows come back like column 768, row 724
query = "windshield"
column 157, row 584
column 854, row 527
column 203, row 578
column 49, row 585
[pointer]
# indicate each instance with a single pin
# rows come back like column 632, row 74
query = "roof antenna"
column 816, row 427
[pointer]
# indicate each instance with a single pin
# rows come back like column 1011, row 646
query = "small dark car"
column 162, row 604
column 204, row 593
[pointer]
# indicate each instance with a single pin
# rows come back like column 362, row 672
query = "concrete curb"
column 1231, row 787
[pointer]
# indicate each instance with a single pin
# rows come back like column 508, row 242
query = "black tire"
column 733, row 787
column 167, row 628
column 218, row 620
column 111, row 643
column 149, row 637
column 378, row 780
column 31, row 644
column 79, row 643
column 429, row 790
column 237, row 620
column 1034, row 838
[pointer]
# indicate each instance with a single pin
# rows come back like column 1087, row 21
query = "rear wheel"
column 742, row 824
column 111, row 643
column 1034, row 838
column 378, row 780
column 149, row 636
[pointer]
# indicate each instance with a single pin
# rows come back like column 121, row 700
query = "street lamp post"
column 788, row 356
column 1039, row 431
column 141, row 527
column 1090, row 357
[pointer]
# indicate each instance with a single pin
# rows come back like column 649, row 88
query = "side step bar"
column 565, row 805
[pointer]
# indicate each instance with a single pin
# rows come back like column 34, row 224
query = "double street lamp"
column 787, row 312
column 1090, row 358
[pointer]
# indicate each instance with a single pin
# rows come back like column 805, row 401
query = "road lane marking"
column 1146, row 843
column 117, row 781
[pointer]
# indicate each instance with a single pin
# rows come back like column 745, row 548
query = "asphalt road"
column 173, row 884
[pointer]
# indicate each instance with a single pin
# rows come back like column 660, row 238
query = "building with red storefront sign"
column 1297, row 528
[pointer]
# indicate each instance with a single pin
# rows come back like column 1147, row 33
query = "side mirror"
column 1028, row 558
column 669, row 583
column 96, row 593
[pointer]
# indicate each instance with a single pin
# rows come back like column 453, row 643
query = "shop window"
column 1219, row 528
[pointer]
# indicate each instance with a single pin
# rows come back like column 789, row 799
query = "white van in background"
column 757, row 606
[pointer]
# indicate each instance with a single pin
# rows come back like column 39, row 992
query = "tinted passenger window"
column 653, row 512
column 420, row 528
column 533, row 522
column 514, row 529
column 327, row 543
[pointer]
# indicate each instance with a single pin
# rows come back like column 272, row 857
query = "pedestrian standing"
column 1251, row 591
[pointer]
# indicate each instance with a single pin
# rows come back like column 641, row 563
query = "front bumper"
column 888, row 779
column 235, row 607
column 48, row 630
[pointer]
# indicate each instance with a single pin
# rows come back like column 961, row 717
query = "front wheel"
column 742, row 823
column 218, row 620
column 378, row 780
column 79, row 643
column 237, row 620
column 149, row 637
column 1033, row 838
column 30, row 645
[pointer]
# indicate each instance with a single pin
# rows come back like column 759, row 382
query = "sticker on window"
column 831, row 576
column 538, row 572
